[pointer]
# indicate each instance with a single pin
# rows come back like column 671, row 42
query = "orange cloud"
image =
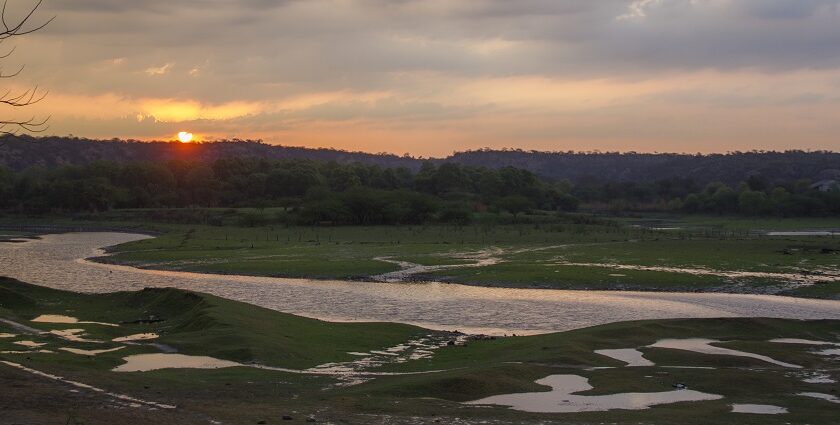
column 173, row 110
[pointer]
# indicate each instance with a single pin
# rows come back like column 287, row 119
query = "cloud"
column 269, row 66
column 159, row 70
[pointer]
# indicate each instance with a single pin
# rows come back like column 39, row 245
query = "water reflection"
column 57, row 261
column 562, row 398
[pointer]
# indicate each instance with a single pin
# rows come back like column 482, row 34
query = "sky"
column 429, row 77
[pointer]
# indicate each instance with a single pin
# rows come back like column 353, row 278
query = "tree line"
column 755, row 196
column 327, row 192
column 21, row 152
column 306, row 191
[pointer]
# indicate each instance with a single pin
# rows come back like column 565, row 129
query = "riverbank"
column 583, row 257
column 57, row 261
column 264, row 365
column 659, row 254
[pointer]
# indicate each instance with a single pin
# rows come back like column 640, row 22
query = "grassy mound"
column 205, row 325
column 208, row 325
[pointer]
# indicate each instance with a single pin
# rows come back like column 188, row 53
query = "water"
column 806, row 233
column 704, row 346
column 827, row 397
column 57, row 261
column 631, row 356
column 561, row 398
column 759, row 409
column 147, row 362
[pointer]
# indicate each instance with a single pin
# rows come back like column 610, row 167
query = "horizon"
column 419, row 211
column 429, row 78
column 438, row 157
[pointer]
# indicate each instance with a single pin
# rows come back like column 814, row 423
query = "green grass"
column 240, row 332
column 529, row 255
column 201, row 324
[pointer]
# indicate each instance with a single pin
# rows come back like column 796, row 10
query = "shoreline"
column 429, row 279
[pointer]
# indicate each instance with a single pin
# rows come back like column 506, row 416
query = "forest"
column 327, row 192
column 21, row 152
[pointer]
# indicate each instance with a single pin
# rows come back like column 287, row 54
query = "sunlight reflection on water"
column 56, row 261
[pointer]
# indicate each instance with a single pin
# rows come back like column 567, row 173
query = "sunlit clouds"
column 432, row 76
column 160, row 70
column 176, row 110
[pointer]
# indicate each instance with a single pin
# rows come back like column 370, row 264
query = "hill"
column 20, row 152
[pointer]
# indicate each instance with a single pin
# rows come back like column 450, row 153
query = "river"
column 58, row 261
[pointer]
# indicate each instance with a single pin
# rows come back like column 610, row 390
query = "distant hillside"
column 729, row 168
column 20, row 152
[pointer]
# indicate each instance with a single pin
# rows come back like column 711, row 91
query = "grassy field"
column 660, row 253
column 575, row 252
column 198, row 324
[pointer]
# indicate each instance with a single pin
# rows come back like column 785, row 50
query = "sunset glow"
column 429, row 77
column 592, row 192
column 185, row 137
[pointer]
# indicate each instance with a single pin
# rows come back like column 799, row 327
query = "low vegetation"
column 199, row 324
column 307, row 192
column 572, row 252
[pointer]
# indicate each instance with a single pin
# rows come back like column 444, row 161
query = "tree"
column 752, row 202
column 515, row 204
column 10, row 30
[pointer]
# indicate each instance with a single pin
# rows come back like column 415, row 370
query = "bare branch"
column 31, row 125
column 14, row 74
column 18, row 29
column 29, row 97
column 4, row 56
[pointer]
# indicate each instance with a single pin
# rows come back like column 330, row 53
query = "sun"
column 185, row 137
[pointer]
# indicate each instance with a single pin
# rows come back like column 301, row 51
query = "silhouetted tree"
column 12, row 28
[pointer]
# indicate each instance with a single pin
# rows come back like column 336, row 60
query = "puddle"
column 4, row 335
column 347, row 373
column 631, row 356
column 136, row 337
column 149, row 362
column 57, row 318
column 827, row 352
column 131, row 401
column 827, row 397
column 758, row 409
column 88, row 352
column 700, row 345
column 817, row 378
column 831, row 352
column 483, row 258
column 690, row 367
column 561, row 399
column 32, row 344
column 352, row 372
column 800, row 278
column 806, row 233
column 802, row 341
column 74, row 335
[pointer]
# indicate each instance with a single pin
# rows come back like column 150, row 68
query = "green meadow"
column 202, row 325
column 683, row 253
